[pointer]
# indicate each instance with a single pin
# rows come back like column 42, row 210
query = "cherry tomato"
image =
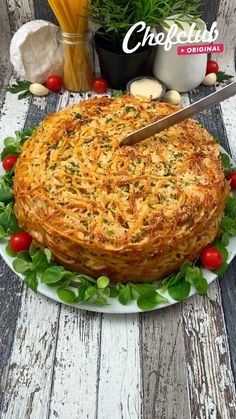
column 20, row 241
column 9, row 161
column 212, row 67
column 99, row 85
column 54, row 83
column 211, row 258
column 232, row 178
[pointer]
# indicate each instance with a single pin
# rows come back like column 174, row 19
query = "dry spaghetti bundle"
column 73, row 19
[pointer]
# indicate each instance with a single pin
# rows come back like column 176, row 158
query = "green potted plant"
column 115, row 18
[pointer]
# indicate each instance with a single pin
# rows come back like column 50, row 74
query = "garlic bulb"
column 210, row 79
column 38, row 89
column 172, row 96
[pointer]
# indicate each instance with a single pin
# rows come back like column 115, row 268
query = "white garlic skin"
column 38, row 89
column 172, row 96
column 210, row 79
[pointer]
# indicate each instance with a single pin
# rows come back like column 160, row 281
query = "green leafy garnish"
column 9, row 252
column 114, row 292
column 125, row 294
column 66, row 295
column 39, row 261
column 230, row 207
column 222, row 269
column 228, row 166
column 195, row 278
column 53, row 274
column 139, row 289
column 222, row 249
column 6, row 191
column 178, row 284
column 175, row 277
column 8, row 219
column 179, row 291
column 102, row 282
column 21, row 87
column 2, row 233
column 223, row 77
column 31, row 280
column 20, row 265
column 228, row 223
column 117, row 93
column 13, row 145
column 150, row 299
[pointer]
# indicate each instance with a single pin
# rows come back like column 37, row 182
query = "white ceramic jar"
column 180, row 72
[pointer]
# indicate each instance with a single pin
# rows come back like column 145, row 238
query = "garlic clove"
column 210, row 79
column 172, row 96
column 38, row 89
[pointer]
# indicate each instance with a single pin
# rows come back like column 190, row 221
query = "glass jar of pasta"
column 78, row 68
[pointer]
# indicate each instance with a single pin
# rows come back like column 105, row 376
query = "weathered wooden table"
column 61, row 362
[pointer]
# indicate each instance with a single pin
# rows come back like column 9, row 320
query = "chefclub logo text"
column 200, row 49
column 175, row 36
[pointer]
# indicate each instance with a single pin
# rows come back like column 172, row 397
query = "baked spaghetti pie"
column 134, row 213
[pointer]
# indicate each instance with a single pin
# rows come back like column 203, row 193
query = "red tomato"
column 54, row 83
column 212, row 67
column 211, row 258
column 99, row 85
column 232, row 178
column 9, row 161
column 20, row 241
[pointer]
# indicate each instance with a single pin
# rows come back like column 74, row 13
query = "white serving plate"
column 114, row 305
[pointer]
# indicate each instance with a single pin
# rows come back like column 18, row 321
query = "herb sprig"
column 21, row 87
column 179, row 283
column 228, row 166
column 223, row 77
column 117, row 16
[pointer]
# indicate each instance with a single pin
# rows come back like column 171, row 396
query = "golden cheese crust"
column 134, row 213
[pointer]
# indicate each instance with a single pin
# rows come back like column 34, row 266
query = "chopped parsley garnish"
column 130, row 108
column 125, row 188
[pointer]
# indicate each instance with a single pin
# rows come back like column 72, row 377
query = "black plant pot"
column 117, row 67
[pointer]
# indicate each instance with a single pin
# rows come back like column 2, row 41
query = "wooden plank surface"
column 20, row 12
column 76, row 363
column 209, row 11
column 165, row 386
column 44, row 11
column 119, row 375
column 27, row 378
column 210, row 378
column 5, row 37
